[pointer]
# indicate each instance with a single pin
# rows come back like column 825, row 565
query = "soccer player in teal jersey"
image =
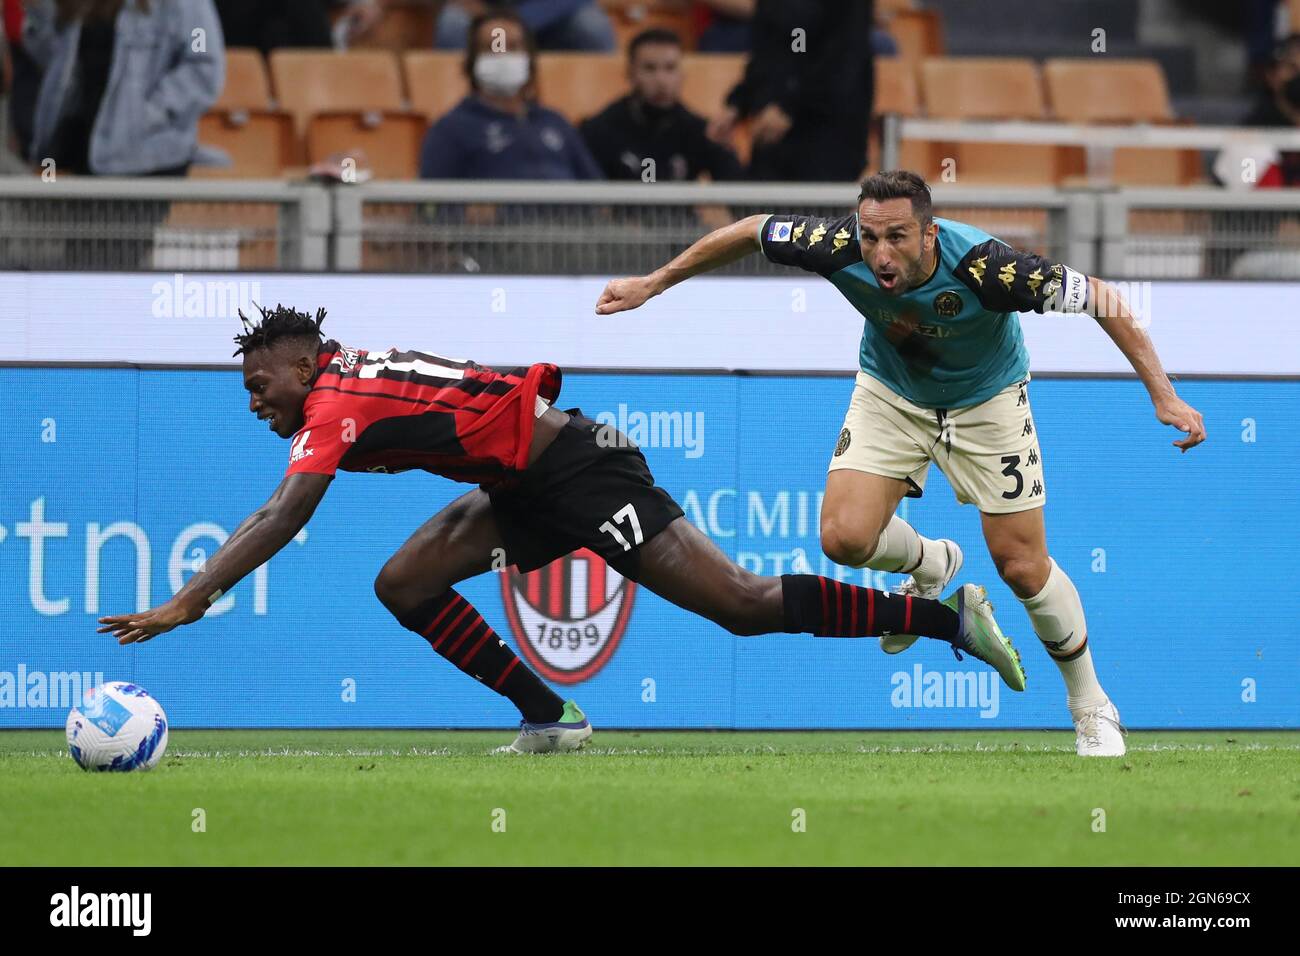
column 944, row 378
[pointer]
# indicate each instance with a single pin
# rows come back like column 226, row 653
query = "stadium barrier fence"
column 523, row 228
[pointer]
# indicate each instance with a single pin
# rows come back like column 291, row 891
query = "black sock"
column 829, row 608
column 458, row 632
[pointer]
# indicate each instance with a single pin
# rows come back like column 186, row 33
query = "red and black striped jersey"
column 396, row 411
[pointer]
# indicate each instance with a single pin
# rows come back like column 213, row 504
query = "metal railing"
column 1200, row 234
column 601, row 229
column 96, row 224
column 631, row 228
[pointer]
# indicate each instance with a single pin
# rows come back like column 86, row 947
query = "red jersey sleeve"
column 325, row 436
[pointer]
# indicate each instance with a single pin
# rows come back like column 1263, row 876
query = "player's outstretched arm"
column 718, row 248
column 1112, row 313
column 253, row 543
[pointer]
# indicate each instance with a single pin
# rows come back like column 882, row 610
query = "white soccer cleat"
column 1098, row 732
column 570, row 732
column 897, row 643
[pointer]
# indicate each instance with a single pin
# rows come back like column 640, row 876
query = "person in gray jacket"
column 124, row 83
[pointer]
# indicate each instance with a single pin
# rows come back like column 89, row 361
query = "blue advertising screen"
column 117, row 482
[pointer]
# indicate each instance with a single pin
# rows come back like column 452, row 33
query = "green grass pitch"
column 867, row 798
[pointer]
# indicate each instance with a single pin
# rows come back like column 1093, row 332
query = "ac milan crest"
column 568, row 616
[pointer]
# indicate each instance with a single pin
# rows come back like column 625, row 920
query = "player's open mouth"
column 887, row 280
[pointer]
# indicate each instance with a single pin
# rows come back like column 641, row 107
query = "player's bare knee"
column 1025, row 575
column 844, row 545
column 398, row 592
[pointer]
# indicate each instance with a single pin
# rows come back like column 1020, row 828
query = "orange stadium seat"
column 308, row 82
column 993, row 88
column 580, row 85
column 982, row 88
column 260, row 143
column 707, row 78
column 1121, row 91
column 896, row 92
column 435, row 81
column 385, row 142
column 1110, row 91
column 247, row 85
column 918, row 33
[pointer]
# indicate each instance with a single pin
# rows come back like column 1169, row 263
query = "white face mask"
column 501, row 74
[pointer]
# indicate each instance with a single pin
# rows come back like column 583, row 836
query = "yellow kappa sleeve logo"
column 1007, row 275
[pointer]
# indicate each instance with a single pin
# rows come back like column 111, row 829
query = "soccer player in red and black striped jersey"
column 549, row 482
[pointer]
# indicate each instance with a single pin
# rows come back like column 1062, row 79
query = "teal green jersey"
column 952, row 341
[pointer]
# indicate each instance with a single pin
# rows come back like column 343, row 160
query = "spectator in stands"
column 723, row 27
column 499, row 131
column 270, row 24
column 648, row 134
column 1279, row 105
column 557, row 24
column 123, row 83
column 807, row 88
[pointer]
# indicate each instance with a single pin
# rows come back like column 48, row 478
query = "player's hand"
column 146, row 625
column 771, row 125
column 624, row 294
column 1174, row 411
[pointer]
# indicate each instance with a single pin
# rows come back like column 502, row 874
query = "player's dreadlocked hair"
column 276, row 324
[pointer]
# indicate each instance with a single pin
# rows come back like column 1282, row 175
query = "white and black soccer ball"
column 117, row 726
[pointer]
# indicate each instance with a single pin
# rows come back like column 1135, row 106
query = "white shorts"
column 988, row 452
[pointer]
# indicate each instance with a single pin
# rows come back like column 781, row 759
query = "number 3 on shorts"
column 629, row 513
column 1013, row 471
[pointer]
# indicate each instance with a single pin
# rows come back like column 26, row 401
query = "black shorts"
column 590, row 488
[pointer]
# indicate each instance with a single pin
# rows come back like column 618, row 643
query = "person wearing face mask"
column 499, row 131
column 1279, row 105
column 649, row 135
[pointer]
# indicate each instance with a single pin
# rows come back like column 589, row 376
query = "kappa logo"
column 569, row 616
column 299, row 450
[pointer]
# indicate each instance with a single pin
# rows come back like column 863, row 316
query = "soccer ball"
column 117, row 726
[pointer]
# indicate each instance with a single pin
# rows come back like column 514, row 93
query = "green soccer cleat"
column 980, row 637
column 570, row 732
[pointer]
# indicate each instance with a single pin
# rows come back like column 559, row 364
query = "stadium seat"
column 993, row 88
column 260, row 143
column 313, row 81
column 308, row 82
column 981, row 88
column 896, row 92
column 1121, row 91
column 918, row 33
column 1107, row 91
column 435, row 81
column 580, row 85
column 385, row 142
column 247, row 85
column 707, row 78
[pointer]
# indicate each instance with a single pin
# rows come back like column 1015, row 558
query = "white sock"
column 1057, row 616
column 900, row 548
